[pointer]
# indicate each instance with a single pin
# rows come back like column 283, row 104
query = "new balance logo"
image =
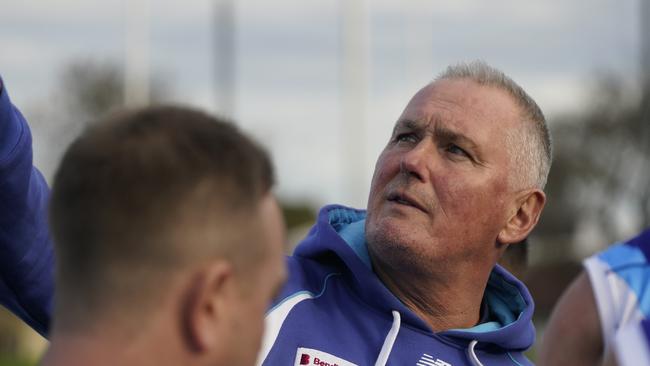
column 427, row 360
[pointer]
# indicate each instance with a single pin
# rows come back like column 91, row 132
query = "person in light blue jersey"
column 612, row 292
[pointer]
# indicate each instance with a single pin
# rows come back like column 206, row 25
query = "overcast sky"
column 288, row 73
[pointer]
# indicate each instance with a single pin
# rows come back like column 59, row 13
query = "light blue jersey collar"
column 354, row 235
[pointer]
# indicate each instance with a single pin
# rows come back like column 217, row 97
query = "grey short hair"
column 530, row 147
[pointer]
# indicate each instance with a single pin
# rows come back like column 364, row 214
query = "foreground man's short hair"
column 143, row 194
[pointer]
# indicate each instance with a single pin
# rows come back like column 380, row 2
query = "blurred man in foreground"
column 414, row 280
column 169, row 243
column 612, row 293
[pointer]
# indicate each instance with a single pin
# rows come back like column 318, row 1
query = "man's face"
column 258, row 288
column 440, row 191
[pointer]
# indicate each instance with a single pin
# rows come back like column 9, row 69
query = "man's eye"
column 456, row 150
column 406, row 137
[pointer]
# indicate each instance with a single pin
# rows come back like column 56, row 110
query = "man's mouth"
column 404, row 199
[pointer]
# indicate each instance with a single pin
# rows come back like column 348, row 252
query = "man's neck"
column 74, row 349
column 443, row 300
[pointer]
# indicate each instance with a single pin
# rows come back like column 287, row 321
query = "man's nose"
column 417, row 161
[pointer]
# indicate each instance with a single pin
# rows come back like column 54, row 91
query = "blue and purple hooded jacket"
column 334, row 310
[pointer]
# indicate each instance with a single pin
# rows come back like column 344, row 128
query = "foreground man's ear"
column 529, row 206
column 207, row 305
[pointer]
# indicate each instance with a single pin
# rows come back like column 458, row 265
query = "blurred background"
column 320, row 84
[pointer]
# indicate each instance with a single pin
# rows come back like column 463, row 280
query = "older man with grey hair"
column 414, row 280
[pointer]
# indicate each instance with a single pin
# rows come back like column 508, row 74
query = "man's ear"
column 207, row 305
column 524, row 217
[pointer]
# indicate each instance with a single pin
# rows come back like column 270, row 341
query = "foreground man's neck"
column 107, row 350
column 73, row 351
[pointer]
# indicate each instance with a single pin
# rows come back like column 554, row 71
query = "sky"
column 290, row 93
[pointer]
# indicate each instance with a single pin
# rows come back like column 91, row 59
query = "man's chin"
column 392, row 231
column 396, row 250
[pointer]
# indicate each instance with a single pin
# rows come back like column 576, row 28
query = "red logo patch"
column 304, row 359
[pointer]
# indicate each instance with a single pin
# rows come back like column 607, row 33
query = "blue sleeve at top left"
column 26, row 253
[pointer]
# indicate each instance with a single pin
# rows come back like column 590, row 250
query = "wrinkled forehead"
column 463, row 105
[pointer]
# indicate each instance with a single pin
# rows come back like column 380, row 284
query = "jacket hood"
column 338, row 237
